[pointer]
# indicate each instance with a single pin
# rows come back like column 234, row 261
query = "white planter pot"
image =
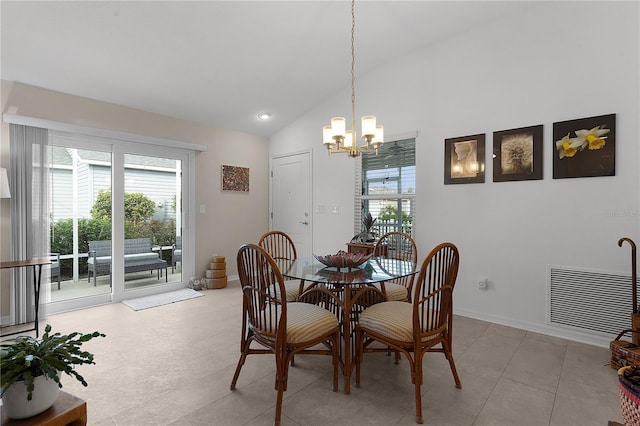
column 14, row 400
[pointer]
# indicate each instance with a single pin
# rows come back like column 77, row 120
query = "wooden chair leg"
column 282, row 372
column 449, row 355
column 278, row 417
column 241, row 361
column 418, row 385
column 335, row 359
column 417, row 380
column 359, row 357
column 244, row 351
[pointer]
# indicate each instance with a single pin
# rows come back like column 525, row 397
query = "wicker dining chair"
column 281, row 247
column 397, row 245
column 425, row 325
column 277, row 326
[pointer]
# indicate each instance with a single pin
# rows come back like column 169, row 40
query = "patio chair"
column 54, row 268
column 176, row 253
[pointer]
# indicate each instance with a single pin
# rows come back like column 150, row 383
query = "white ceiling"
column 220, row 62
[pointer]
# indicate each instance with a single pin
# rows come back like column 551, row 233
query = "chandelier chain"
column 353, row 69
column 338, row 137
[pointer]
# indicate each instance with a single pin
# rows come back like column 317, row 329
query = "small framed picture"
column 235, row 178
column 585, row 147
column 464, row 159
column 517, row 154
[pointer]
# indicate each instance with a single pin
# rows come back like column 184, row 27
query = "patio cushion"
column 140, row 257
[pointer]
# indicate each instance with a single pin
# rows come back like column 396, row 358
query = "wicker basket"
column 629, row 399
column 624, row 353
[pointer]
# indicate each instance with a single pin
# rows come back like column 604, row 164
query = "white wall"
column 560, row 61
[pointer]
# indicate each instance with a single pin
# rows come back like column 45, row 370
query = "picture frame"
column 517, row 154
column 235, row 178
column 585, row 147
column 464, row 159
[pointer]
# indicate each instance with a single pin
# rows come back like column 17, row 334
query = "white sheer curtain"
column 29, row 215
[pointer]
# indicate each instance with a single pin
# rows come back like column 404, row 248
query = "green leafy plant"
column 25, row 358
column 367, row 235
column 137, row 206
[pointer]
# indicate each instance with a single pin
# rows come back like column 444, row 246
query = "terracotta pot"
column 15, row 403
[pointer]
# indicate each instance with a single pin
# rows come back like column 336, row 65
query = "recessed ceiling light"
column 264, row 116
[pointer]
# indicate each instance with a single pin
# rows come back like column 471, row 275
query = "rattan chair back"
column 398, row 245
column 279, row 245
column 433, row 290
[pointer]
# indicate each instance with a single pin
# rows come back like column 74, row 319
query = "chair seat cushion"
column 292, row 290
column 394, row 320
column 393, row 291
column 307, row 322
column 390, row 319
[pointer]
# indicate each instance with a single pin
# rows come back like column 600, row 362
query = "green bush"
column 137, row 206
column 390, row 213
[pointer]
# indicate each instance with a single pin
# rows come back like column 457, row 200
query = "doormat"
column 152, row 301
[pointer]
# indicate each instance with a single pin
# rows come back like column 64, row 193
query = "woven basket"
column 629, row 399
column 624, row 353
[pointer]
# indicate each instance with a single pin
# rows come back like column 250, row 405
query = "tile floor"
column 173, row 365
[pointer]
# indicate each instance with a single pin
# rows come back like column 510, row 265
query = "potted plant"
column 31, row 369
column 367, row 236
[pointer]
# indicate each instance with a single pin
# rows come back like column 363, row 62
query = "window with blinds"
column 386, row 187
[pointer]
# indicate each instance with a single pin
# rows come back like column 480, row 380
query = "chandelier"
column 336, row 137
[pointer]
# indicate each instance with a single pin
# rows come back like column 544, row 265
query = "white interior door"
column 291, row 199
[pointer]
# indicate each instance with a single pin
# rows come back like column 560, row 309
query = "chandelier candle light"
column 336, row 137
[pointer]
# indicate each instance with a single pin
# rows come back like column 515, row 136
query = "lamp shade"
column 368, row 125
column 339, row 126
column 327, row 135
column 379, row 136
column 4, row 184
column 349, row 142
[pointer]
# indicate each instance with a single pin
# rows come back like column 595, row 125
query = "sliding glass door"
column 117, row 223
column 152, row 220
column 77, row 176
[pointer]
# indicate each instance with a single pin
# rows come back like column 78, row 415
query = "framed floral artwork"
column 464, row 159
column 235, row 178
column 585, row 147
column 517, row 154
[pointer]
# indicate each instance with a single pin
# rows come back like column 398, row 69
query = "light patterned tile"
column 513, row 403
column 180, row 358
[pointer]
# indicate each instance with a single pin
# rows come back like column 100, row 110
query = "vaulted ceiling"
column 220, row 62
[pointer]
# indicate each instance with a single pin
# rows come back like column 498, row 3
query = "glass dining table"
column 346, row 292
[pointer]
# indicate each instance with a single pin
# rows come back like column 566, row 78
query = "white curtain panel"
column 29, row 184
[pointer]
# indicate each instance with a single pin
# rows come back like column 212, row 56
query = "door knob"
column 304, row 223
